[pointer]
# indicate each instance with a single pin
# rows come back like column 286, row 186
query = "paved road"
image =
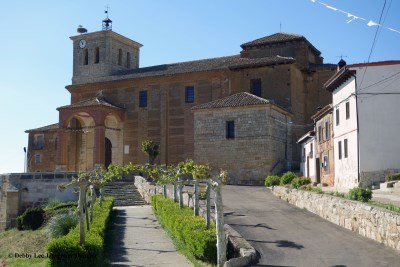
column 285, row 235
column 139, row 240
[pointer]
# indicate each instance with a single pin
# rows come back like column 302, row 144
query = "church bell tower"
column 99, row 54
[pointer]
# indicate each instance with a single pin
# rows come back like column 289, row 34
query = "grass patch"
column 14, row 243
column 390, row 207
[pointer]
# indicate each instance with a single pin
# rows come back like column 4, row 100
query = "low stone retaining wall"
column 373, row 222
column 246, row 254
column 21, row 190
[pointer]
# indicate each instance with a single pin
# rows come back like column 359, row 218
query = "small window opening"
column 128, row 60
column 230, row 129
column 85, row 57
column 120, row 57
column 143, row 99
column 255, row 87
column 189, row 94
column 96, row 55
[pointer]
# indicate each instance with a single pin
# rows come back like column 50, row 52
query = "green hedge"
column 188, row 230
column 31, row 219
column 66, row 251
column 360, row 194
column 300, row 181
column 272, row 180
column 287, row 178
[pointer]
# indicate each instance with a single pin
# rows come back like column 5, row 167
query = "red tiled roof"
column 90, row 103
column 280, row 37
column 51, row 127
column 229, row 62
column 236, row 100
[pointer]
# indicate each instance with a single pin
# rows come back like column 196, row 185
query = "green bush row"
column 300, row 181
column 66, row 251
column 287, row 178
column 189, row 231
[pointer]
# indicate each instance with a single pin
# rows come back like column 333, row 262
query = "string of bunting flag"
column 351, row 17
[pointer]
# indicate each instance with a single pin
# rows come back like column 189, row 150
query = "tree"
column 216, row 183
column 94, row 179
column 151, row 148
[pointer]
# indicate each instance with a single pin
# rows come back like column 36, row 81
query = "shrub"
column 299, row 181
column 392, row 177
column 61, row 224
column 31, row 219
column 360, row 194
column 66, row 251
column 189, row 231
column 272, row 180
column 287, row 178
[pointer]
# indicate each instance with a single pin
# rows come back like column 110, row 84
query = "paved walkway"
column 139, row 240
column 285, row 235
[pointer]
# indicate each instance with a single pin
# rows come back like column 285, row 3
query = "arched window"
column 85, row 57
column 96, row 55
column 120, row 57
column 128, row 60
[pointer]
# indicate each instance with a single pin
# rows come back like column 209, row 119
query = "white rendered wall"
column 346, row 169
column 379, row 118
column 303, row 164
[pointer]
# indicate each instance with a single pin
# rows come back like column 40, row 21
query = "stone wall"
column 261, row 142
column 21, row 190
column 376, row 223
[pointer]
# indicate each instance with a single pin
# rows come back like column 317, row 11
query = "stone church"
column 249, row 108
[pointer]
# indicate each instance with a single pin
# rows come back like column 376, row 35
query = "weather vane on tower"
column 107, row 23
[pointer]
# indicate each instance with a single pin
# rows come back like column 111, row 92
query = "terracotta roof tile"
column 274, row 38
column 278, row 38
column 51, row 127
column 236, row 100
column 96, row 101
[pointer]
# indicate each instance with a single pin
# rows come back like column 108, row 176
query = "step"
column 125, row 193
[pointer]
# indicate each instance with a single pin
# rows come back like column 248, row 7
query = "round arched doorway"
column 108, row 153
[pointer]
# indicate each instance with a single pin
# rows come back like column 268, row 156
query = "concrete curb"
column 248, row 254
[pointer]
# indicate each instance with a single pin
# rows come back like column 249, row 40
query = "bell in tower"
column 107, row 23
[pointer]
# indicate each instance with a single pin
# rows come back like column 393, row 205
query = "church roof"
column 46, row 128
column 236, row 100
column 279, row 37
column 92, row 102
column 230, row 62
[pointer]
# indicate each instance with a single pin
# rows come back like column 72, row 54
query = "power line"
column 393, row 76
column 374, row 42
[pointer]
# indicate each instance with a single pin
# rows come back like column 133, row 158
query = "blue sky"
column 36, row 52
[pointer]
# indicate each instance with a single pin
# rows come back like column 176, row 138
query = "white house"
column 307, row 164
column 366, row 122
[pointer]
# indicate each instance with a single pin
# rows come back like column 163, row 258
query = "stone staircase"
column 125, row 193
